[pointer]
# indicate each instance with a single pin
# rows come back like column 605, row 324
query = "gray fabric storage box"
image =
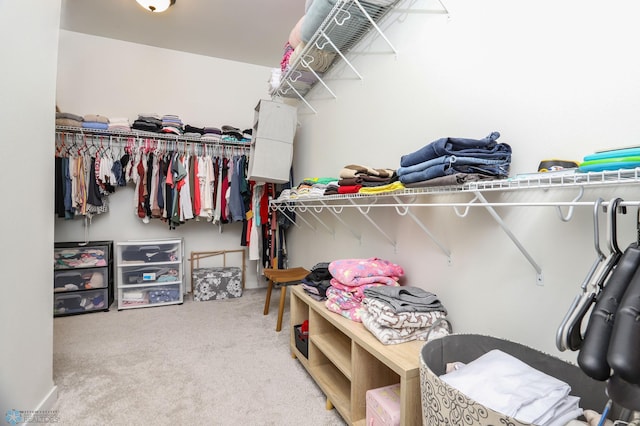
column 445, row 405
column 271, row 152
column 216, row 283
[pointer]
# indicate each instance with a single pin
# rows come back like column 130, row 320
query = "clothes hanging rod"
column 141, row 135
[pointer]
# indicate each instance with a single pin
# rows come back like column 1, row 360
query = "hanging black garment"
column 624, row 349
column 168, row 194
column 266, row 246
column 93, row 190
column 592, row 358
column 148, row 179
column 124, row 160
column 245, row 194
column 193, row 179
column 178, row 174
column 224, row 177
column 245, row 190
column 282, row 254
column 69, row 211
column 216, row 179
column 59, row 188
column 159, row 190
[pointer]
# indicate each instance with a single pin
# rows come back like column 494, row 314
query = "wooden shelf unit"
column 346, row 360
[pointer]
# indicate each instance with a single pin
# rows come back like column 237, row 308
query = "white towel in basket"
column 505, row 384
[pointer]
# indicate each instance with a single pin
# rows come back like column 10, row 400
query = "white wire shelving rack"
column 403, row 201
column 346, row 24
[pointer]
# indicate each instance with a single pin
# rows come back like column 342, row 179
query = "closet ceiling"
column 250, row 31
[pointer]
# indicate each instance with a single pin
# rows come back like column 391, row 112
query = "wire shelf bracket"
column 364, row 210
column 310, row 210
column 409, row 213
column 336, row 213
column 505, row 228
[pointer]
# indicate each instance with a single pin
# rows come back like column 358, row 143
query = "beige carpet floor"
column 200, row 363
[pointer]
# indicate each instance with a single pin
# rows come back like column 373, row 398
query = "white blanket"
column 507, row 385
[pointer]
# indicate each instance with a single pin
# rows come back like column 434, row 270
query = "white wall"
column 556, row 79
column 129, row 79
column 27, row 114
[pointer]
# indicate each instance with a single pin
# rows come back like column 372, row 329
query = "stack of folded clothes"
column 312, row 187
column 332, row 188
column 193, row 131
column 401, row 314
column 95, row 121
column 148, row 122
column 316, row 59
column 119, row 124
column 230, row 133
column 615, row 159
column 172, row 124
column 316, row 283
column 453, row 161
column 354, row 177
column 68, row 119
column 212, row 134
column 351, row 277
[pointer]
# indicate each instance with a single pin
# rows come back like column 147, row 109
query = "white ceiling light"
column 156, row 6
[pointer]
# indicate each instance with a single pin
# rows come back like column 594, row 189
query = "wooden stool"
column 282, row 278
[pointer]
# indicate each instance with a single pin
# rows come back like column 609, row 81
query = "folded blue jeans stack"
column 447, row 156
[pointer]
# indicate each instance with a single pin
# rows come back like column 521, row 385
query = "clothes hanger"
column 562, row 333
column 574, row 327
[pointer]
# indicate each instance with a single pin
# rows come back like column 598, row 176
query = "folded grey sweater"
column 406, row 298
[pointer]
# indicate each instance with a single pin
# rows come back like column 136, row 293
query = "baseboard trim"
column 49, row 400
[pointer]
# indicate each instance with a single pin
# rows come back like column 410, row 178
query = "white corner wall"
column 27, row 115
column 556, row 79
column 113, row 78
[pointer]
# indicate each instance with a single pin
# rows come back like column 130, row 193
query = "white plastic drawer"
column 141, row 296
column 149, row 253
column 149, row 273
column 80, row 279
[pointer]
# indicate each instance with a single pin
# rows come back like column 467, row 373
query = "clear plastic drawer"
column 80, row 302
column 80, row 279
column 73, row 256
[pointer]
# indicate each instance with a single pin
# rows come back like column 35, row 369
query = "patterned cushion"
column 216, row 283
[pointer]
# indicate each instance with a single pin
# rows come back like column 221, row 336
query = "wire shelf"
column 548, row 180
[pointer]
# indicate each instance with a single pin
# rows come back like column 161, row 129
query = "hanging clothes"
column 206, row 180
column 172, row 183
column 195, row 185
column 217, row 190
column 186, row 205
column 255, row 225
column 236, row 203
